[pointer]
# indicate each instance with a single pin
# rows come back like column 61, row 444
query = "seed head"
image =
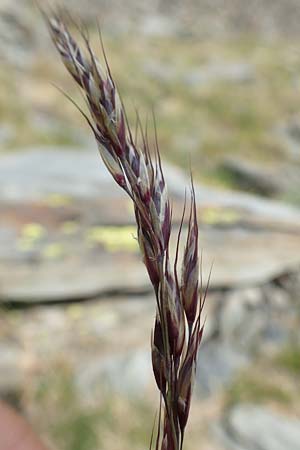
column 177, row 331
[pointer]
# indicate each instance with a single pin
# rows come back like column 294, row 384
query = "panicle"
column 177, row 330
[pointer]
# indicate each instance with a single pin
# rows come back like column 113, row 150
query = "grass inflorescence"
column 137, row 169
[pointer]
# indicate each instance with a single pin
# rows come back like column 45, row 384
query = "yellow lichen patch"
column 213, row 216
column 53, row 251
column 75, row 312
column 33, row 231
column 55, row 200
column 113, row 238
column 69, row 227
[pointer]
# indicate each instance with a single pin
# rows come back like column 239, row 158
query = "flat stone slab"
column 67, row 232
column 50, row 173
column 61, row 270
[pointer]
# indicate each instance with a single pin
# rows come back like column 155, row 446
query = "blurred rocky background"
column 76, row 304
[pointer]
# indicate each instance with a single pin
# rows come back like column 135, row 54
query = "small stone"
column 277, row 297
column 158, row 26
column 249, row 427
column 252, row 177
column 238, row 72
column 218, row 363
column 128, row 374
column 275, row 335
column 239, row 314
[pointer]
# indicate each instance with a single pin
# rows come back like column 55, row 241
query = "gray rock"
column 248, row 427
column 278, row 298
column 275, row 335
column 218, row 364
column 256, row 319
column 242, row 316
column 158, row 26
column 251, row 210
column 291, row 284
column 244, row 255
column 73, row 278
column 253, row 177
column 81, row 174
column 254, row 210
column 80, row 271
column 45, row 171
column 126, row 374
column 239, row 72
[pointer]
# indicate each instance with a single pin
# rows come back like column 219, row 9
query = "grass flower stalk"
column 178, row 328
